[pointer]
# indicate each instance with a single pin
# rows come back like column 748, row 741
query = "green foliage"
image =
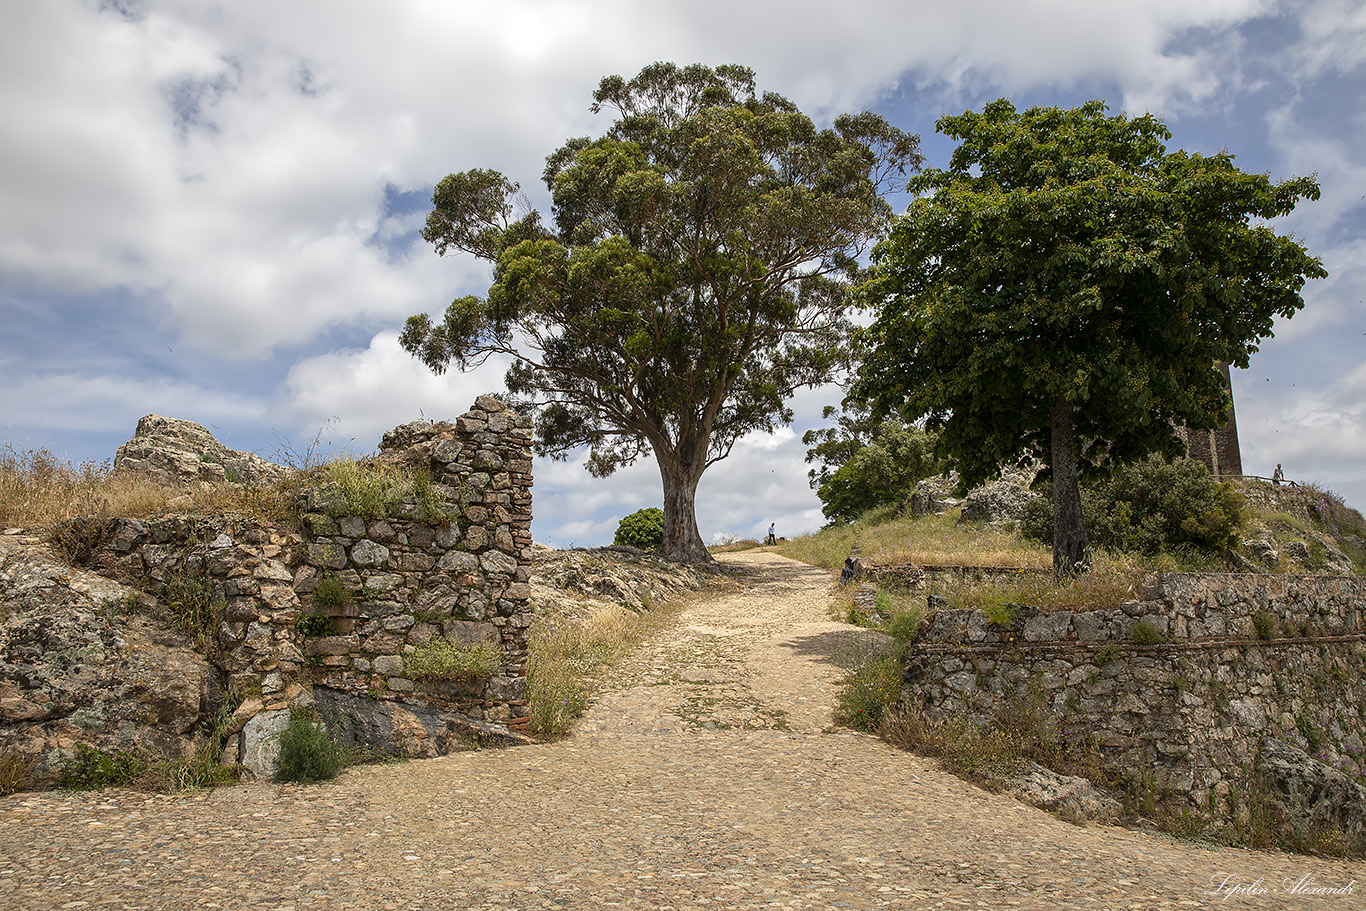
column 1150, row 507
column 1107, row 653
column 643, row 528
column 905, row 626
column 315, row 625
column 92, row 769
column 441, row 659
column 373, row 489
column 869, row 690
column 1066, row 291
column 881, row 472
column 332, row 592
column 308, row 752
column 695, row 276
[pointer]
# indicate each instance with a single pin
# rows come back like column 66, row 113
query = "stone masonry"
column 447, row 562
column 1181, row 687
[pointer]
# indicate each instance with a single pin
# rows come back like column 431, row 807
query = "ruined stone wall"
column 333, row 613
column 1181, row 687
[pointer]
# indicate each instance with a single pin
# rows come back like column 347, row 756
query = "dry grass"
column 39, row 491
column 1112, row 579
column 569, row 655
column 886, row 537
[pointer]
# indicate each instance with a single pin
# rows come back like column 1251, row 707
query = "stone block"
column 369, row 553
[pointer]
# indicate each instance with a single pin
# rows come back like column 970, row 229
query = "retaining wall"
column 1179, row 688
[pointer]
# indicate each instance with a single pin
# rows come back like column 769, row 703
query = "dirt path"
column 709, row 778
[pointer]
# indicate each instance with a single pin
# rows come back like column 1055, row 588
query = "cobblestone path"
column 709, row 778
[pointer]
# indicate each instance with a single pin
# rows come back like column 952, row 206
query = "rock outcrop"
column 999, row 501
column 1315, row 799
column 82, row 663
column 183, row 454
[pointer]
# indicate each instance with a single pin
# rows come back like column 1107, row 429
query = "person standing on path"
column 772, row 538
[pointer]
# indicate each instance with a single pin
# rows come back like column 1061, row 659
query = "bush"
column 307, row 751
column 643, row 528
column 1150, row 507
column 332, row 592
column 868, row 691
column 91, row 768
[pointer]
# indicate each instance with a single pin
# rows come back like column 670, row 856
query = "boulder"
column 1314, row 797
column 997, row 502
column 1074, row 799
column 183, row 454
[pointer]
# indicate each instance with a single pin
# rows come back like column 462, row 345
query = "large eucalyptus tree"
column 696, row 272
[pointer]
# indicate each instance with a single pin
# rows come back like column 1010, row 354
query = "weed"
column 91, row 768
column 308, row 752
column 868, row 691
column 14, row 772
column 1145, row 633
column 315, row 625
column 905, row 626
column 332, row 592
column 1106, row 653
column 1265, row 623
column 193, row 606
column 442, row 659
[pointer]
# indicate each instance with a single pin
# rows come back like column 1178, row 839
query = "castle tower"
column 1217, row 448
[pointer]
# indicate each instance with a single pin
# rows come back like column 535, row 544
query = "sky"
column 210, row 210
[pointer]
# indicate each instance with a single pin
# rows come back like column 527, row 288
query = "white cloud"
column 1318, row 436
column 374, row 389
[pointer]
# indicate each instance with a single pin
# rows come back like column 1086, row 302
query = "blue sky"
column 210, row 210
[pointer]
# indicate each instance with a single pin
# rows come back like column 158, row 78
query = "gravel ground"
column 708, row 777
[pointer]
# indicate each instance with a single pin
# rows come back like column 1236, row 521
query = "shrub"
column 1265, row 623
column 643, row 528
column 1150, row 507
column 308, row 752
column 442, row 659
column 868, row 691
column 92, row 768
column 905, row 626
column 1144, row 633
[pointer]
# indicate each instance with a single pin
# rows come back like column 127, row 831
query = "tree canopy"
column 865, row 463
column 1067, row 289
column 696, row 273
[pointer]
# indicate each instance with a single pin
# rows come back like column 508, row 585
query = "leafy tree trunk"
column 1070, row 543
column 682, row 541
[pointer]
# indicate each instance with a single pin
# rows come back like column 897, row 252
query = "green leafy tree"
column 867, row 463
column 696, row 274
column 1067, row 289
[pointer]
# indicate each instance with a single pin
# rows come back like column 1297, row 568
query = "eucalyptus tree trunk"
column 1071, row 547
column 682, row 541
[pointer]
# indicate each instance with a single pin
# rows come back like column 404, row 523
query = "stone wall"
column 1179, row 689
column 333, row 613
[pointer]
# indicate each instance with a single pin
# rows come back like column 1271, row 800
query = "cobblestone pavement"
column 708, row 778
